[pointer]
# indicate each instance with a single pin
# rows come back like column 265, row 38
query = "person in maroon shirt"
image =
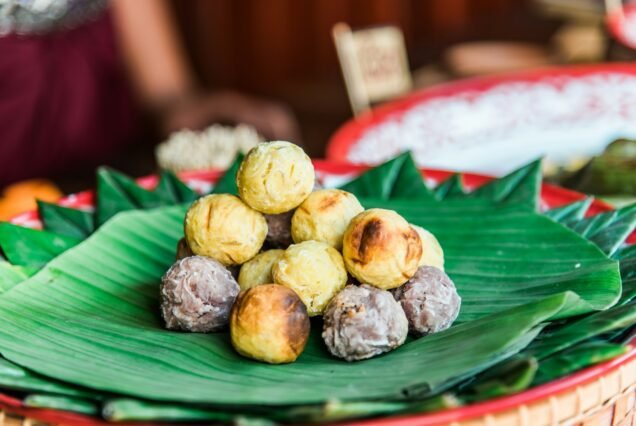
column 73, row 80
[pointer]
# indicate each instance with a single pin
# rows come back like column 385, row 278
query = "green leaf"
column 117, row 192
column 395, row 179
column 11, row 276
column 105, row 334
column 607, row 230
column 453, row 187
column 574, row 211
column 64, row 403
column 511, row 376
column 574, row 359
column 110, row 198
column 30, row 247
column 499, row 258
column 409, row 183
column 379, row 181
column 126, row 409
column 14, row 377
column 227, row 183
column 173, row 191
column 334, row 411
column 141, row 197
column 580, row 330
column 627, row 259
column 629, row 291
column 521, row 187
column 66, row 221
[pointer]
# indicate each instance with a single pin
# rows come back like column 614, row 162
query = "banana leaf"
column 173, row 191
column 510, row 376
column 627, row 261
column 580, row 356
column 104, row 333
column 125, row 409
column 521, row 187
column 227, row 183
column 15, row 377
column 409, row 183
column 32, row 248
column 379, row 182
column 615, row 318
column 10, row 276
column 627, row 258
column 521, row 256
column 607, row 230
column 572, row 211
column 117, row 192
column 629, row 291
column 65, row 403
column 111, row 198
column 65, row 227
column 66, row 221
column 453, row 187
column 335, row 411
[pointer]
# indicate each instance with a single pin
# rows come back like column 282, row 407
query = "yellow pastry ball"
column 275, row 177
column 223, row 227
column 380, row 248
column 314, row 270
column 432, row 253
column 324, row 216
column 258, row 270
column 269, row 323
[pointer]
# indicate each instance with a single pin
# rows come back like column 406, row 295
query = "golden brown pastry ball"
column 432, row 253
column 380, row 248
column 275, row 177
column 314, row 270
column 258, row 270
column 269, row 323
column 324, row 216
column 223, row 227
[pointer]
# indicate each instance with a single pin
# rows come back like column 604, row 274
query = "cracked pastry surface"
column 197, row 294
column 362, row 322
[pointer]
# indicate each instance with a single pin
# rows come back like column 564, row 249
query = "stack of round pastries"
column 283, row 251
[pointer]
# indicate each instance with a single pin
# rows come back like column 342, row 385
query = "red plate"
column 332, row 173
column 492, row 125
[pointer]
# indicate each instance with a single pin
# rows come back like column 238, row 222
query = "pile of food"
column 283, row 251
column 546, row 289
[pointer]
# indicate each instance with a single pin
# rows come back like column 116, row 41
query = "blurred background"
column 148, row 68
column 283, row 48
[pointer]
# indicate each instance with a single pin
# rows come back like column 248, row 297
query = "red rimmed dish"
column 492, row 125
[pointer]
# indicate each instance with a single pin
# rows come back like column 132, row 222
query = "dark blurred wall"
column 283, row 48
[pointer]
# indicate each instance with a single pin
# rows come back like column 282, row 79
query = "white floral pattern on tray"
column 497, row 130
